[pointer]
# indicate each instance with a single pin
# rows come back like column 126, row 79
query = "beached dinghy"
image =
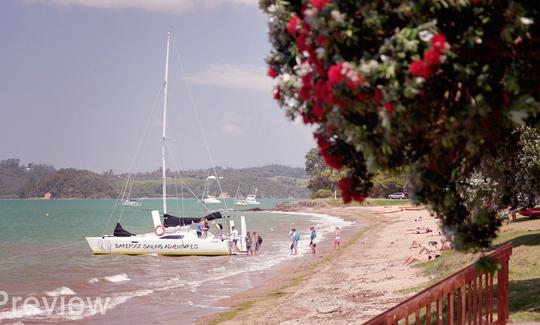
column 173, row 236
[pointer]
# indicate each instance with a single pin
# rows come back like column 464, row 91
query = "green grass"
column 524, row 268
column 231, row 314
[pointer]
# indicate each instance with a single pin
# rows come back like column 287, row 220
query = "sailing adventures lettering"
column 155, row 246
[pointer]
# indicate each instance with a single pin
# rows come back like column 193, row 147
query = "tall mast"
column 164, row 137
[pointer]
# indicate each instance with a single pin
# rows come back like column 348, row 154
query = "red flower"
column 319, row 111
column 330, row 128
column 355, row 82
column 439, row 42
column 345, row 186
column 432, row 57
column 272, row 72
column 321, row 40
column 377, row 95
column 323, row 91
column 358, row 197
column 322, row 142
column 277, row 94
column 335, row 76
column 420, row 69
column 306, row 119
column 506, row 99
column 335, row 162
column 293, row 23
column 319, row 4
column 362, row 97
column 389, row 107
column 301, row 43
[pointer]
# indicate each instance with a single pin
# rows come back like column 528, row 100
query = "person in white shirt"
column 234, row 238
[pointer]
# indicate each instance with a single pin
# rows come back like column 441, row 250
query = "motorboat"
column 132, row 203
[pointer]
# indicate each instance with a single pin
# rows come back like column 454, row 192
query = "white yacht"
column 206, row 197
column 173, row 235
column 251, row 199
column 132, row 203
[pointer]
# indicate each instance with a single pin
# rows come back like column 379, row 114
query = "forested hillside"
column 35, row 180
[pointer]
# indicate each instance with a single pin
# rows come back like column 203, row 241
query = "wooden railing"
column 466, row 297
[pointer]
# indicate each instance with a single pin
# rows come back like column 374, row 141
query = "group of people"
column 253, row 241
column 202, row 228
column 427, row 252
column 295, row 238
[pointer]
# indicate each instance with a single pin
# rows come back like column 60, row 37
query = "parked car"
column 397, row 195
column 532, row 213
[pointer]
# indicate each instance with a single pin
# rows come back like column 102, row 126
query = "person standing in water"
column 313, row 242
column 337, row 242
column 234, row 238
column 295, row 237
column 249, row 243
column 258, row 242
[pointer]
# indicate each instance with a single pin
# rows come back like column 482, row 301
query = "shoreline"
column 345, row 286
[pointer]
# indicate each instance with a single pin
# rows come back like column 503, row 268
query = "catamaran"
column 174, row 235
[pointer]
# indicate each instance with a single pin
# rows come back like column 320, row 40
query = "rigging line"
column 192, row 100
column 136, row 159
column 176, row 165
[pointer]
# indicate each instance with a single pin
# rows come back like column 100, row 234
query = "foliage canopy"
column 435, row 86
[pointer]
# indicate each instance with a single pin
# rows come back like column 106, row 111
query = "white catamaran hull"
column 152, row 244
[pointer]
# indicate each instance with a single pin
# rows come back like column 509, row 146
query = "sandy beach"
column 349, row 286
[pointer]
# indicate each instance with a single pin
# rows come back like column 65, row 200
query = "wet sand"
column 349, row 286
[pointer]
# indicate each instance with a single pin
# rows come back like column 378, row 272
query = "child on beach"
column 295, row 237
column 313, row 242
column 337, row 242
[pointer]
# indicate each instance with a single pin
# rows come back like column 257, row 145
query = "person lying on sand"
column 415, row 259
column 421, row 230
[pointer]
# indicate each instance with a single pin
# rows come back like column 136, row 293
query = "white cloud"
column 231, row 129
column 236, row 76
column 169, row 6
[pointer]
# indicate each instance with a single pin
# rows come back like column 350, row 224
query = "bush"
column 322, row 194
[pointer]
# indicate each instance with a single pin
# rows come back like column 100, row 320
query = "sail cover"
column 121, row 232
column 172, row 221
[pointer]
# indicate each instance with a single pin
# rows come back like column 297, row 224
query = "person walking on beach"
column 234, row 238
column 249, row 243
column 258, row 242
column 337, row 242
column 313, row 242
column 295, row 237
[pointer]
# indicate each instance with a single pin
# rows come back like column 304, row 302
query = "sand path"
column 359, row 282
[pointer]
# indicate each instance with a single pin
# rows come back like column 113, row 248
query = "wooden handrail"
column 468, row 296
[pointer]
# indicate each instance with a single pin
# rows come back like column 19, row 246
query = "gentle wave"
column 122, row 277
column 62, row 291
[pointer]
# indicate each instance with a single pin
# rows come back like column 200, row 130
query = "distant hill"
column 34, row 180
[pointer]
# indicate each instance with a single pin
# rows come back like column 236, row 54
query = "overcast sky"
column 79, row 81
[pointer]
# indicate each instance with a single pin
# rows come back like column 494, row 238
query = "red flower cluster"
column 272, row 72
column 319, row 4
column 347, row 187
column 333, row 161
column 432, row 57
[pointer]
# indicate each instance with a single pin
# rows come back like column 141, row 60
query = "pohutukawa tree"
column 434, row 86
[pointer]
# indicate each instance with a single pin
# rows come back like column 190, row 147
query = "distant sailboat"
column 207, row 198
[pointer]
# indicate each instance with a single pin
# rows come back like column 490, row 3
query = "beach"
column 350, row 286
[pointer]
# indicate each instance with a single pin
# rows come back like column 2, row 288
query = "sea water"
column 45, row 259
